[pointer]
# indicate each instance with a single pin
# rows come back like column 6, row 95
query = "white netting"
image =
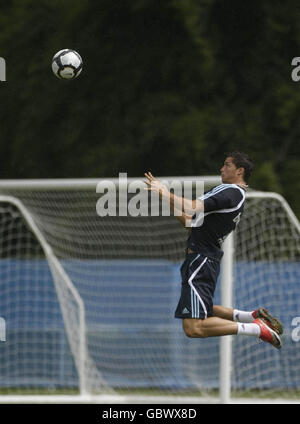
column 126, row 273
column 267, row 274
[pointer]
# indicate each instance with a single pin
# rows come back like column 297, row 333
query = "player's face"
column 229, row 172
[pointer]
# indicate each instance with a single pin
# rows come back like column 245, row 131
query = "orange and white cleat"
column 267, row 334
column 271, row 321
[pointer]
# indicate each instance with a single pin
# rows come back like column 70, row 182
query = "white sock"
column 242, row 316
column 248, row 329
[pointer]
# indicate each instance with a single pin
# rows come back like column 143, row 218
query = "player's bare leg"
column 209, row 327
column 234, row 314
column 215, row 326
column 223, row 312
column 248, row 316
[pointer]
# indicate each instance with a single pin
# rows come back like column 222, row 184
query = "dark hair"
column 242, row 160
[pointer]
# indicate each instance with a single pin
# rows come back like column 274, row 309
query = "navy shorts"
column 199, row 278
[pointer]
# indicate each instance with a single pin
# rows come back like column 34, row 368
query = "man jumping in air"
column 220, row 209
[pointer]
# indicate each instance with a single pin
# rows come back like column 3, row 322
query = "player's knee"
column 194, row 329
column 192, row 333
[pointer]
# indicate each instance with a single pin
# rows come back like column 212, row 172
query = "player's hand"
column 155, row 185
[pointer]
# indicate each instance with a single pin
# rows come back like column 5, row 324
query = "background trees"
column 166, row 86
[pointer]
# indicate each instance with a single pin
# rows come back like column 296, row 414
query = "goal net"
column 88, row 300
column 266, row 274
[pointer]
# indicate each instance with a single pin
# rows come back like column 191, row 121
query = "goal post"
column 227, row 301
column 89, row 301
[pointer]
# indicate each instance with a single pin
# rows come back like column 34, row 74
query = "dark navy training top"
column 223, row 206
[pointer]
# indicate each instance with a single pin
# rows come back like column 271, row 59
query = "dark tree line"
column 166, row 85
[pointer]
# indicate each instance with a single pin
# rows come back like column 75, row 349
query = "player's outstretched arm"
column 187, row 207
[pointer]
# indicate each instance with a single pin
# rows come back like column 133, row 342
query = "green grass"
column 261, row 394
column 267, row 394
column 38, row 391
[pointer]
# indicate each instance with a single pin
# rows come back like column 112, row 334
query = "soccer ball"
column 67, row 64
